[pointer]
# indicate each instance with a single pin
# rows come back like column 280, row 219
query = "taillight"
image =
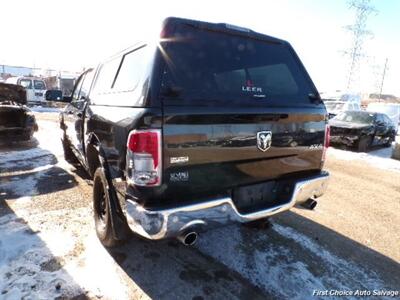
column 144, row 157
column 326, row 141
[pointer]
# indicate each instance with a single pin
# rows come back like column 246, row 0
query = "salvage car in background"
column 392, row 110
column 17, row 122
column 362, row 129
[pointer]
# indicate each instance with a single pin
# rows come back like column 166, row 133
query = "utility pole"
column 383, row 79
column 359, row 33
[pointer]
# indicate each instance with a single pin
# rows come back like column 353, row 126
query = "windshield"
column 26, row 83
column 39, row 85
column 333, row 106
column 361, row 117
column 224, row 67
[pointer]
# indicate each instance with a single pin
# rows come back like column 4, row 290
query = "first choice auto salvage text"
column 361, row 293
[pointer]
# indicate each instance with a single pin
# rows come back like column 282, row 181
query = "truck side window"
column 87, row 82
column 387, row 120
column 26, row 83
column 39, row 85
column 380, row 119
column 131, row 70
column 106, row 76
column 78, row 85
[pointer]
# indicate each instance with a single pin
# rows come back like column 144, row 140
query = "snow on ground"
column 48, row 254
column 35, row 263
column 32, row 160
column 24, row 258
column 379, row 158
column 269, row 262
column 42, row 109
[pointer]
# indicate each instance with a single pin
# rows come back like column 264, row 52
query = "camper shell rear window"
column 208, row 66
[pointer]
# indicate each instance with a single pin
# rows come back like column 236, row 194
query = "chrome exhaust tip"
column 310, row 204
column 188, row 238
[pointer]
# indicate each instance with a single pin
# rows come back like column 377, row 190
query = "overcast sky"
column 72, row 34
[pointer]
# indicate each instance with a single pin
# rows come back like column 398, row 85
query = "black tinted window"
column 379, row 118
column 106, row 76
column 219, row 66
column 131, row 70
column 39, row 85
column 387, row 120
column 356, row 117
column 87, row 81
column 78, row 85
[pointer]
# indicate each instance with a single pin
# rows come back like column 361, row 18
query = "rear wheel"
column 364, row 143
column 27, row 137
column 389, row 142
column 101, row 207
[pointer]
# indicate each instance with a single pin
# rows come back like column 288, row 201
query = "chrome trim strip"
column 159, row 224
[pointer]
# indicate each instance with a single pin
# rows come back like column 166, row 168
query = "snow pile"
column 380, row 158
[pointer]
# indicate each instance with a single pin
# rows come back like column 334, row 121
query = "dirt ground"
column 48, row 247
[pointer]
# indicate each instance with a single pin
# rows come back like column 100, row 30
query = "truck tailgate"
column 209, row 153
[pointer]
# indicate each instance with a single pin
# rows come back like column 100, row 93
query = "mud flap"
column 118, row 221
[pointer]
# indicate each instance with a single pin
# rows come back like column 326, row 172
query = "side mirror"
column 67, row 99
column 54, row 95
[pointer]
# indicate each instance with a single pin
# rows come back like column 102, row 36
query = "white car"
column 35, row 88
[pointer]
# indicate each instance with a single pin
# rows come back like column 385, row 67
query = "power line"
column 359, row 33
column 383, row 79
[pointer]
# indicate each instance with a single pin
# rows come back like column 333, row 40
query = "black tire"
column 69, row 156
column 389, row 142
column 364, row 143
column 101, row 207
column 264, row 223
column 27, row 137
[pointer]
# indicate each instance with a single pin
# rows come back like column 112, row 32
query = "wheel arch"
column 93, row 159
column 96, row 158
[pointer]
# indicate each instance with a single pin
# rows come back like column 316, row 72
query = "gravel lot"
column 48, row 247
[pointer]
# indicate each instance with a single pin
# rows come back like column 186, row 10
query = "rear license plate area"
column 261, row 196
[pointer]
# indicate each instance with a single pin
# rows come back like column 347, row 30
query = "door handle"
column 79, row 115
column 70, row 112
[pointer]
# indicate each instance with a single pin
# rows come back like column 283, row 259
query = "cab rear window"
column 39, row 85
column 205, row 65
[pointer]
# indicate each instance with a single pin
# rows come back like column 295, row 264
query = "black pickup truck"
column 210, row 124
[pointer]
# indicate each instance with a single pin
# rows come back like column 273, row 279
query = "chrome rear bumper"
column 159, row 224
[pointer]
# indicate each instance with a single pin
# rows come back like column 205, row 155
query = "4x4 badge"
column 264, row 140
